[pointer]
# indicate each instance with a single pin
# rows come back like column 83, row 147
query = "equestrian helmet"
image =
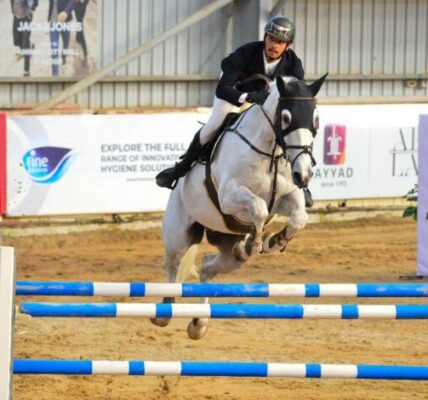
column 281, row 28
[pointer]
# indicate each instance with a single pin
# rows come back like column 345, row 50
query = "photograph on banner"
column 48, row 38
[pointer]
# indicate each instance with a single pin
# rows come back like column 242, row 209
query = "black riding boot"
column 308, row 198
column 169, row 177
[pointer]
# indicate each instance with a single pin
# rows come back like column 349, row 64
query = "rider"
column 270, row 57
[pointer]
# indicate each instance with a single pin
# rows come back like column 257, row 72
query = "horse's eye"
column 285, row 119
column 316, row 119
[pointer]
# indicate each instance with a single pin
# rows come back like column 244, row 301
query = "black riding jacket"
column 248, row 60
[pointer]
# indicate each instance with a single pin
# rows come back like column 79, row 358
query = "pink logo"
column 334, row 144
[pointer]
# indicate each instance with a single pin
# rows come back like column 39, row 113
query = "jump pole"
column 225, row 369
column 280, row 311
column 141, row 289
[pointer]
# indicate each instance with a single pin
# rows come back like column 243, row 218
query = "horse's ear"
column 316, row 86
column 281, row 86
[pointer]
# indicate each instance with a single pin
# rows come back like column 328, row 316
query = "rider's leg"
column 169, row 177
column 220, row 109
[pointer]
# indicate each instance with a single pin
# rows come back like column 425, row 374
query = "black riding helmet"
column 281, row 28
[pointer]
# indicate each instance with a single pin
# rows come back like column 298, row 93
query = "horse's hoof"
column 196, row 331
column 273, row 243
column 267, row 244
column 162, row 322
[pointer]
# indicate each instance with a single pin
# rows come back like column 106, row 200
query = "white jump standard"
column 141, row 289
column 286, row 311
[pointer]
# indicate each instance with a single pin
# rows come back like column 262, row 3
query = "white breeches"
column 220, row 109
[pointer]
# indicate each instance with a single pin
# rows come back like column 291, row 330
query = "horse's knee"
column 254, row 205
column 260, row 211
column 298, row 220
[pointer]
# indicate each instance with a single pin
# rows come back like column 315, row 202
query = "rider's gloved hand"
column 257, row 97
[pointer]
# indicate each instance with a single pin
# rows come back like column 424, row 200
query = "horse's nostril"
column 297, row 178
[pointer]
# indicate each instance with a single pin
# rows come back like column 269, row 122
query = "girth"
column 233, row 223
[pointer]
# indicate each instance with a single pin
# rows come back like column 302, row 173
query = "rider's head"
column 279, row 35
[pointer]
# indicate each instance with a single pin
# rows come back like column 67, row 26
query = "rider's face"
column 274, row 48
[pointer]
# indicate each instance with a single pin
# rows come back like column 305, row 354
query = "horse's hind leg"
column 179, row 233
column 222, row 262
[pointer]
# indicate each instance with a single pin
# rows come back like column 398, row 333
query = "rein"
column 230, row 221
column 274, row 160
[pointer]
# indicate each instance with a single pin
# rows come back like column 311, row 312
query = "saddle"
column 234, row 224
column 207, row 149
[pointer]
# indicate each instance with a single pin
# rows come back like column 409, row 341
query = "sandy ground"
column 369, row 250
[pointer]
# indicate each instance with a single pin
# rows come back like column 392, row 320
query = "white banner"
column 366, row 151
column 107, row 164
column 92, row 164
column 423, row 197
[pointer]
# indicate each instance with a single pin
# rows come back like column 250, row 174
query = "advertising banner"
column 108, row 163
column 45, row 38
column 92, row 164
column 423, row 197
column 366, row 151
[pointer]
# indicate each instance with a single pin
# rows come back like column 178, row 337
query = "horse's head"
column 296, row 124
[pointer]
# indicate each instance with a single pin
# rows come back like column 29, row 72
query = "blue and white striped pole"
column 208, row 368
column 140, row 289
column 287, row 311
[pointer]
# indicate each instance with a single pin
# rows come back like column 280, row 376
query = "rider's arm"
column 232, row 67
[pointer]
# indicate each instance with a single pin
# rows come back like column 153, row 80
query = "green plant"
column 412, row 210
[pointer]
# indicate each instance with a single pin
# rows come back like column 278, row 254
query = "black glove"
column 257, row 97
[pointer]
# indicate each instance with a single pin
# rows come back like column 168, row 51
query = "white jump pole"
column 7, row 315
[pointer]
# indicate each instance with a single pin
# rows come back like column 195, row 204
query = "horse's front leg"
column 240, row 200
column 293, row 206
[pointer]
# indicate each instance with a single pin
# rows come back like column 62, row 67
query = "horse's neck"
column 256, row 127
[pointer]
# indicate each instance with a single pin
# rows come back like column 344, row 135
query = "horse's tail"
column 187, row 268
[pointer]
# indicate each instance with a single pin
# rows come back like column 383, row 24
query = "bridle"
column 231, row 221
column 281, row 133
column 276, row 126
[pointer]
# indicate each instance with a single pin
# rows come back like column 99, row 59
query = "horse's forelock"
column 287, row 80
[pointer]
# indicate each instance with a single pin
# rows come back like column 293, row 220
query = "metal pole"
column 96, row 76
column 277, row 7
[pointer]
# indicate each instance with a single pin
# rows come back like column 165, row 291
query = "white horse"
column 258, row 169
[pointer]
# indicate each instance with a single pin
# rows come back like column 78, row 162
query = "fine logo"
column 47, row 164
column 334, row 144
